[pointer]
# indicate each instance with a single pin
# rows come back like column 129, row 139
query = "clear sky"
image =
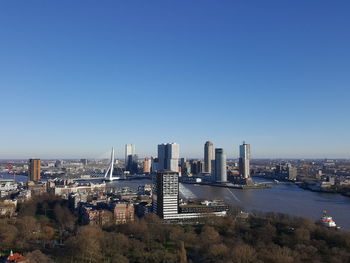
column 78, row 77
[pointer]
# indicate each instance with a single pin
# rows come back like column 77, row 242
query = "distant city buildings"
column 168, row 157
column 220, row 166
column 34, row 169
column 244, row 160
column 285, row 171
column 208, row 156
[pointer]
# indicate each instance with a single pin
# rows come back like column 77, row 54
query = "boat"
column 328, row 221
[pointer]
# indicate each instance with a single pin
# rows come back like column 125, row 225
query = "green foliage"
column 48, row 225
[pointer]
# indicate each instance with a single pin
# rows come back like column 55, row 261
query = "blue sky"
column 77, row 77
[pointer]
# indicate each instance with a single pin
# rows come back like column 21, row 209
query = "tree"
column 209, row 235
column 86, row 244
column 64, row 218
column 47, row 234
column 37, row 257
column 27, row 227
column 182, row 253
column 243, row 253
column 8, row 235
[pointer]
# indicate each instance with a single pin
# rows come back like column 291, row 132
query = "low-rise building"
column 37, row 188
column 123, row 212
column 93, row 215
column 8, row 208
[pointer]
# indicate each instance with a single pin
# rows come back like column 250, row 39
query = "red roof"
column 16, row 257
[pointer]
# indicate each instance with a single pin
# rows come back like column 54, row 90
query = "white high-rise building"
column 244, row 160
column 129, row 150
column 166, row 194
column 208, row 156
column 168, row 157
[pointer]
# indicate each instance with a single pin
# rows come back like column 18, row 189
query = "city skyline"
column 77, row 78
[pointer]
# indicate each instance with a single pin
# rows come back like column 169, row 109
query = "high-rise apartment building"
column 129, row 150
column 244, row 160
column 168, row 157
column 166, row 194
column 132, row 164
column 34, row 169
column 208, row 156
column 165, row 197
column 147, row 165
column 220, row 166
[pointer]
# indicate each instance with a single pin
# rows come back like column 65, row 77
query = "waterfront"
column 280, row 198
column 285, row 198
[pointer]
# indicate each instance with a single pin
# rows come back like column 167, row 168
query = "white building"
column 168, row 157
column 244, row 160
column 166, row 194
column 129, row 150
column 208, row 156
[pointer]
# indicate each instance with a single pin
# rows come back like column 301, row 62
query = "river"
column 285, row 198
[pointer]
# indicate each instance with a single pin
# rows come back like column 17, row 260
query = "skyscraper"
column 34, row 169
column 220, row 166
column 132, row 164
column 244, row 160
column 166, row 194
column 129, row 151
column 147, row 165
column 208, row 156
column 168, row 157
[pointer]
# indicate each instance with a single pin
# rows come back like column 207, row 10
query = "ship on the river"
column 328, row 221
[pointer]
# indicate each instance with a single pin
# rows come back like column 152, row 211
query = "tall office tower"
column 220, row 166
column 129, row 151
column 34, row 169
column 197, row 167
column 168, row 157
column 154, row 165
column 166, row 194
column 147, row 165
column 244, row 159
column 208, row 156
column 132, row 165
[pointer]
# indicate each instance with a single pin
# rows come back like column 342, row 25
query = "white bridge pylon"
column 109, row 173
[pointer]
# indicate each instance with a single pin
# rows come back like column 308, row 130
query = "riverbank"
column 314, row 187
column 230, row 185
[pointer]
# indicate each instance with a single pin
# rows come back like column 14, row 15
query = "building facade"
column 34, row 169
column 168, row 157
column 147, row 165
column 129, row 151
column 208, row 156
column 244, row 160
column 165, row 196
column 123, row 212
column 220, row 166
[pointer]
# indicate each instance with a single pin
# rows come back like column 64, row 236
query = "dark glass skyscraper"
column 220, row 166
